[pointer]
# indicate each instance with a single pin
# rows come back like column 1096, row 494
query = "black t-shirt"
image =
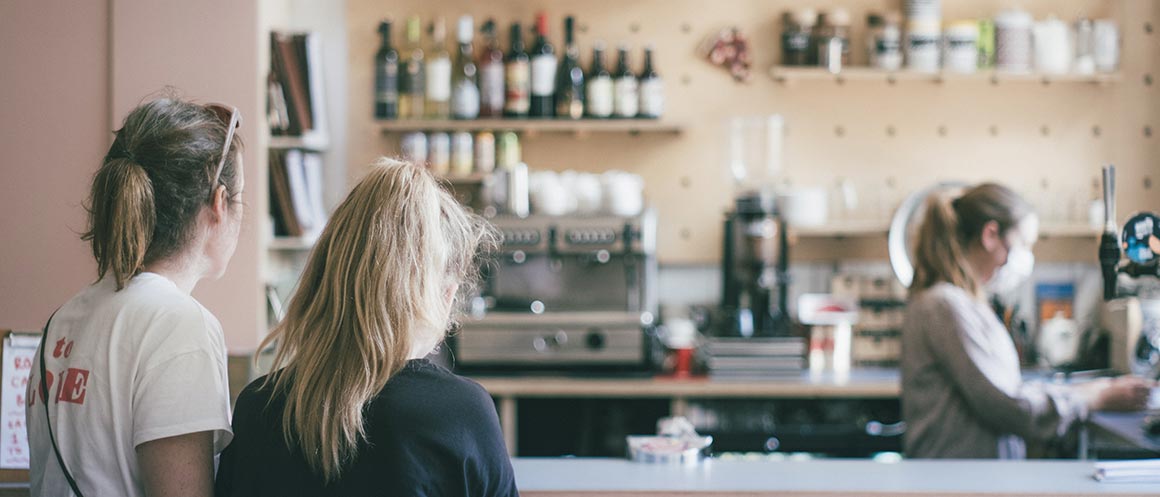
column 429, row 433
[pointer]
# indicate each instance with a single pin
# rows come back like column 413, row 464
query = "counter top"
column 586, row 477
column 1128, row 426
column 860, row 383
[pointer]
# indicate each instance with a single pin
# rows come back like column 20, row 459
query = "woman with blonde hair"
column 963, row 395
column 353, row 407
column 128, row 394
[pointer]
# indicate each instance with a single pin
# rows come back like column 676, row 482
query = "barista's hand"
column 1125, row 393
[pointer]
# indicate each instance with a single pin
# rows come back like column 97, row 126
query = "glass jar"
column 884, row 41
column 795, row 36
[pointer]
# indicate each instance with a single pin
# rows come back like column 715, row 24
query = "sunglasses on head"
column 229, row 116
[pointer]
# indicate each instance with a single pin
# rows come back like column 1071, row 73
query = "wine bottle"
column 598, row 97
column 517, row 69
column 386, row 76
column 543, row 71
column 652, row 89
column 413, row 84
column 491, row 85
column 570, row 78
column 464, row 85
column 439, row 73
column 625, row 92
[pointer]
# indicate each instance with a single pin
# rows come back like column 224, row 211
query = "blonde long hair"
column 376, row 283
column 951, row 224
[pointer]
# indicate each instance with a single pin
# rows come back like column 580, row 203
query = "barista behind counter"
column 962, row 392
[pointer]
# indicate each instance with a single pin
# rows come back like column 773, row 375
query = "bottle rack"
column 789, row 74
column 534, row 126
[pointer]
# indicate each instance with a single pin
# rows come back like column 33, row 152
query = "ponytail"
column 155, row 179
column 949, row 227
column 121, row 219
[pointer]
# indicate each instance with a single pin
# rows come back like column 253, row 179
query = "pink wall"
column 209, row 50
column 54, row 103
column 72, row 70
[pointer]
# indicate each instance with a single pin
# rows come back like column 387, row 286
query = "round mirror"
column 904, row 229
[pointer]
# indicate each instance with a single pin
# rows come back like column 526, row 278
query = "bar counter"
column 607, row 477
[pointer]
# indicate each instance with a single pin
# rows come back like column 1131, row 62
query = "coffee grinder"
column 755, row 250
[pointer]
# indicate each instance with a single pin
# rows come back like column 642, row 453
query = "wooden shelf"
column 313, row 144
column 535, row 126
column 840, row 230
column 784, row 74
column 291, row 243
column 870, row 229
column 1069, row 231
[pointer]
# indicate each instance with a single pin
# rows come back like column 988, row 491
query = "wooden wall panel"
column 1037, row 138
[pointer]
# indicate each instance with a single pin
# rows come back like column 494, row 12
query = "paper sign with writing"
column 19, row 350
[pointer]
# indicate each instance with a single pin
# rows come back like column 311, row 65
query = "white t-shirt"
column 140, row 364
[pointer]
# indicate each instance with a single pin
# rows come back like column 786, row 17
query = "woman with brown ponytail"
column 353, row 407
column 962, row 392
column 134, row 400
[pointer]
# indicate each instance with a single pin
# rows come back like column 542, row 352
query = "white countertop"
column 577, row 477
column 858, row 383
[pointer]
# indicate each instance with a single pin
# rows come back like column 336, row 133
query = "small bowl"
column 668, row 450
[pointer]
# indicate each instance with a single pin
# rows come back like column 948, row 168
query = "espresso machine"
column 1131, row 310
column 564, row 293
column 754, row 269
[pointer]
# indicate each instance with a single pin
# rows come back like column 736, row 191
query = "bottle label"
column 652, row 97
column 518, row 88
column 387, row 87
column 412, row 81
column 798, row 41
column 543, row 75
column 599, row 98
column 625, row 97
column 439, row 153
column 491, row 88
column 465, row 100
column 439, row 80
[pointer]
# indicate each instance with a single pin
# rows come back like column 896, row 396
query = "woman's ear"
column 990, row 238
column 221, row 203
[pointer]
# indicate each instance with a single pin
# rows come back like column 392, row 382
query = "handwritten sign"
column 19, row 350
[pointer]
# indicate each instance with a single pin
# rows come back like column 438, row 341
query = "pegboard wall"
column 1047, row 140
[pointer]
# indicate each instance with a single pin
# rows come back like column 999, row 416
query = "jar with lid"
column 922, row 45
column 1013, row 41
column 961, row 53
column 884, row 41
column 795, row 36
column 832, row 25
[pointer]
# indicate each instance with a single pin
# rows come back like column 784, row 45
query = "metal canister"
column 484, row 152
column 414, row 148
column 439, row 153
column 517, row 190
column 507, row 150
column 986, row 43
column 462, row 153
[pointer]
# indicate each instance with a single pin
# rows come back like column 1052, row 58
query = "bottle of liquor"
column 598, row 97
column 413, row 84
column 543, row 71
column 652, row 89
column 464, row 85
column 439, row 73
column 491, row 86
column 570, row 78
column 625, row 93
column 517, row 69
column 386, row 76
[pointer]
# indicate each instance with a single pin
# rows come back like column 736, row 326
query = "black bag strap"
column 44, row 397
